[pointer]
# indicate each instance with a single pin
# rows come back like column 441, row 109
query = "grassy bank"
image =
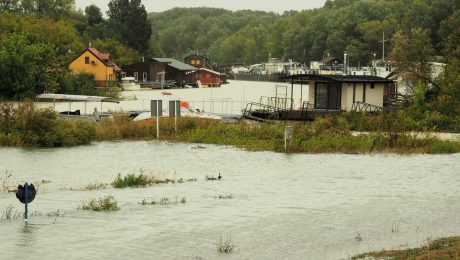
column 24, row 125
column 445, row 248
column 325, row 135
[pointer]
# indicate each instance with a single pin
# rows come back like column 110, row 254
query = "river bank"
column 443, row 248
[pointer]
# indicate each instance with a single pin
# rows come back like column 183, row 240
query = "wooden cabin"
column 99, row 64
column 204, row 78
column 159, row 72
column 199, row 61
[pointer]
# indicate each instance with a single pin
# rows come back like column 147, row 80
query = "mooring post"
column 26, row 198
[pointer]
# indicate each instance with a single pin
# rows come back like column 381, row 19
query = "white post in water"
column 175, row 116
column 158, row 123
column 156, row 110
column 288, row 130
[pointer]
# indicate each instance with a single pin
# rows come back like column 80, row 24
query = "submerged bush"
column 131, row 180
column 107, row 203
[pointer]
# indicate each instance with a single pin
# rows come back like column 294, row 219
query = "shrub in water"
column 107, row 203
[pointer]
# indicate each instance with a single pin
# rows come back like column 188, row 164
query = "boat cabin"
column 342, row 92
column 326, row 94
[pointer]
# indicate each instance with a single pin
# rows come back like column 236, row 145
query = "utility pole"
column 383, row 43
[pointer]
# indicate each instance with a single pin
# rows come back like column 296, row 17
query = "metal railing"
column 359, row 106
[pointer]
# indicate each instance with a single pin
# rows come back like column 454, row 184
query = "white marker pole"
column 158, row 120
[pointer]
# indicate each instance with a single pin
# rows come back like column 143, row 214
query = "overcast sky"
column 277, row 6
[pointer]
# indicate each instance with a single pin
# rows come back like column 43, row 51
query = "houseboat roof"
column 304, row 78
column 175, row 64
column 65, row 97
column 210, row 71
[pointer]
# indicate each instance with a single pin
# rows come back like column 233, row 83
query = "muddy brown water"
column 295, row 206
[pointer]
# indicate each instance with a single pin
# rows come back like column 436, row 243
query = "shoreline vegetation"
column 443, row 248
column 25, row 125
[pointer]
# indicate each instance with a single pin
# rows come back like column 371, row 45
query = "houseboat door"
column 327, row 96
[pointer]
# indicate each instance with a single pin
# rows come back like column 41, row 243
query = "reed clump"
column 164, row 201
column 9, row 213
column 107, row 203
column 225, row 246
column 140, row 179
column 225, row 196
column 96, row 186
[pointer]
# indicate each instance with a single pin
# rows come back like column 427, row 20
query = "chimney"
column 345, row 63
column 89, row 45
column 143, row 58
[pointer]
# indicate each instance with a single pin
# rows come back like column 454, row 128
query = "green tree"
column 413, row 52
column 9, row 5
column 56, row 9
column 93, row 15
column 26, row 68
column 449, row 98
column 130, row 19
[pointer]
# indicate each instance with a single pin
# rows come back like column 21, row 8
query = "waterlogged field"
column 267, row 205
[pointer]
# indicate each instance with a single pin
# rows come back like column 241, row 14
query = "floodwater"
column 294, row 206
column 229, row 99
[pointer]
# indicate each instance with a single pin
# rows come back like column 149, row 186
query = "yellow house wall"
column 100, row 71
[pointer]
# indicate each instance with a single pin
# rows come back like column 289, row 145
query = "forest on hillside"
column 353, row 25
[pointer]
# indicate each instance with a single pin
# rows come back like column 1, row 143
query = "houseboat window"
column 197, row 62
column 327, row 96
column 321, row 96
column 193, row 62
column 136, row 76
column 144, row 76
column 86, row 60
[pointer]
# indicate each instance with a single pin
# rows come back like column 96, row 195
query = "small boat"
column 129, row 84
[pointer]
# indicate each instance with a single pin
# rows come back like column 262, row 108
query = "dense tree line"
column 352, row 25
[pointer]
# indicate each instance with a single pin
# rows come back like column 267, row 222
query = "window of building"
column 86, row 60
column 197, row 62
column 136, row 76
column 193, row 62
column 144, row 76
